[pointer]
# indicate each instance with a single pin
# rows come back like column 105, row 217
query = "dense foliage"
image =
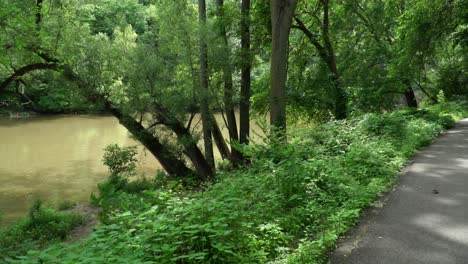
column 381, row 49
column 41, row 227
column 155, row 64
column 334, row 69
column 288, row 206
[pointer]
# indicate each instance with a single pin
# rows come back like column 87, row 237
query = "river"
column 57, row 158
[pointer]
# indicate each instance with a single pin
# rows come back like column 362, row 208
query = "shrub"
column 121, row 161
column 42, row 226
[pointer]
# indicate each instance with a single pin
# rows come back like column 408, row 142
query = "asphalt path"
column 425, row 219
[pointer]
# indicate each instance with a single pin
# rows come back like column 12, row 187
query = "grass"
column 41, row 227
column 289, row 205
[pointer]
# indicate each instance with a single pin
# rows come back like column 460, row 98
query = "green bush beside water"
column 288, row 206
column 41, row 227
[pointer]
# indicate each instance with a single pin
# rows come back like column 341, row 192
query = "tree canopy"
column 156, row 64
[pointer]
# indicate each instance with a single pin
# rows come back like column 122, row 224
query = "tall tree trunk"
column 409, row 95
column 246, row 67
column 228, row 84
column 219, row 139
column 204, row 89
column 38, row 15
column 341, row 101
column 281, row 16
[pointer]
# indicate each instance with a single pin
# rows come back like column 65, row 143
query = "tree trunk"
column 204, row 89
column 432, row 97
column 187, row 141
column 327, row 55
column 341, row 101
column 168, row 161
column 219, row 139
column 245, row 73
column 166, row 158
column 281, row 16
column 171, row 164
column 409, row 95
column 228, row 84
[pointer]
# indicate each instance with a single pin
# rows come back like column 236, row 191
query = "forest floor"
column 423, row 220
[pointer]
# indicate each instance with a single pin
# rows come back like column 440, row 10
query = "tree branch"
column 425, row 92
column 154, row 124
column 313, row 39
column 25, row 70
column 192, row 116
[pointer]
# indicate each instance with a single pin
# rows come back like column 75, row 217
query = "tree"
column 326, row 52
column 100, row 80
column 246, row 66
column 231, row 122
column 149, row 67
column 422, row 27
column 204, row 89
column 406, row 34
column 282, row 12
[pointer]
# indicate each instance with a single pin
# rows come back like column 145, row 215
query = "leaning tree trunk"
column 219, row 139
column 166, row 158
column 204, row 89
column 171, row 164
column 187, row 141
column 327, row 55
column 281, row 15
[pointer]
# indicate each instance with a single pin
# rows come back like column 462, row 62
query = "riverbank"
column 57, row 157
column 28, row 114
column 289, row 206
column 44, row 225
column 39, row 101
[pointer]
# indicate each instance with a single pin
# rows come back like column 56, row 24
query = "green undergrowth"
column 288, row 206
column 41, row 227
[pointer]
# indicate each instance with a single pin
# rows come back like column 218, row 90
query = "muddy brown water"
column 57, row 158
